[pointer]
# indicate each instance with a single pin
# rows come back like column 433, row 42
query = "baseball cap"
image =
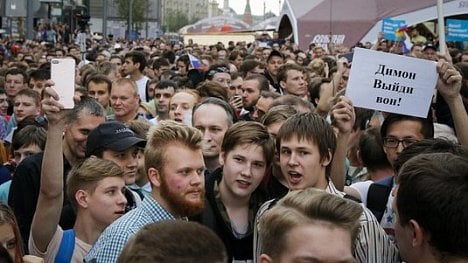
column 275, row 53
column 112, row 135
column 429, row 45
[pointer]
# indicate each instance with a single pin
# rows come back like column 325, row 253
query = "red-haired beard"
column 178, row 203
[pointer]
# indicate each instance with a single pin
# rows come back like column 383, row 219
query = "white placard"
column 391, row 83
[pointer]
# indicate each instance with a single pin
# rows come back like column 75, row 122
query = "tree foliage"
column 140, row 9
column 175, row 20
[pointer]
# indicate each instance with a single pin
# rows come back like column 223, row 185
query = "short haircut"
column 231, row 116
column 87, row 174
column 117, row 57
column 299, row 104
column 31, row 94
column 304, row 207
column 29, row 135
column 164, row 84
column 156, row 243
column 184, row 59
column 165, row 134
column 140, row 128
column 233, row 55
column 217, row 68
column 212, row 89
column 17, row 71
column 40, row 74
column 371, row 150
column 126, row 81
column 137, row 57
column 263, row 83
column 106, row 68
column 427, row 127
column 249, row 132
column 278, row 113
column 157, row 63
column 87, row 105
column 99, row 79
column 269, row 94
column 433, row 191
column 314, row 88
column 312, row 128
column 249, row 65
column 284, row 69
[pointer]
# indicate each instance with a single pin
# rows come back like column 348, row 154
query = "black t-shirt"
column 24, row 193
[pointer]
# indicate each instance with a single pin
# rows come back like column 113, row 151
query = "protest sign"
column 457, row 30
column 391, row 83
column 391, row 27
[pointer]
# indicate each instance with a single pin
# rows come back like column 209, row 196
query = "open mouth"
column 294, row 177
column 243, row 184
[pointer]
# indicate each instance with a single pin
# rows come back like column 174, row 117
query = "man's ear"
column 154, row 177
column 418, row 235
column 327, row 160
column 282, row 84
column 81, row 197
column 264, row 258
column 221, row 157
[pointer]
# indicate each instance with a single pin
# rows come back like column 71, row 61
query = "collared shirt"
column 373, row 245
column 112, row 241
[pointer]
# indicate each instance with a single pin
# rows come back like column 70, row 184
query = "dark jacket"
column 239, row 249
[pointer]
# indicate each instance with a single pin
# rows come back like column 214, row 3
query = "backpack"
column 67, row 246
column 377, row 196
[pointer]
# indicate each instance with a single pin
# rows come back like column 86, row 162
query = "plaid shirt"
column 112, row 241
column 373, row 245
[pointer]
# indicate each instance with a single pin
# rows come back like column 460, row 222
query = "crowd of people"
column 245, row 152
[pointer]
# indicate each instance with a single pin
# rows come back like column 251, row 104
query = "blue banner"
column 390, row 28
column 457, row 30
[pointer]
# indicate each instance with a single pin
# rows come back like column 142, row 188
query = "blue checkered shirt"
column 112, row 241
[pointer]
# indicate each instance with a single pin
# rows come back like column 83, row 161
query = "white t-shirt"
column 141, row 83
column 80, row 251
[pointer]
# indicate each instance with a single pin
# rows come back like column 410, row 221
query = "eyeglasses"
column 392, row 142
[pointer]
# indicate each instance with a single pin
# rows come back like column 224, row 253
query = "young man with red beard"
column 177, row 187
column 233, row 195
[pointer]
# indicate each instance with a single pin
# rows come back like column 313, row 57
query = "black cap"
column 429, row 45
column 113, row 136
column 275, row 53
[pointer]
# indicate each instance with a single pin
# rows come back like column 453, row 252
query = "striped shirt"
column 372, row 244
column 112, row 241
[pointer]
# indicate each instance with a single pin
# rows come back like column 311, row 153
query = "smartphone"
column 62, row 73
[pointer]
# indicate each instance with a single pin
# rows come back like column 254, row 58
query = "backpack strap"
column 67, row 246
column 377, row 196
column 352, row 198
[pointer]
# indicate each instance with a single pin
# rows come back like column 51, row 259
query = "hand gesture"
column 343, row 115
column 449, row 82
